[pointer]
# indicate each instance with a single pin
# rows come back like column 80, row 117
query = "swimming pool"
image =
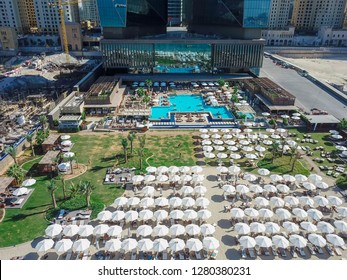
column 248, row 115
column 189, row 103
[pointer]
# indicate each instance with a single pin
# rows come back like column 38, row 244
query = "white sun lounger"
column 181, row 256
column 330, row 251
column 243, row 253
column 274, row 251
column 133, row 256
column 319, row 250
column 68, row 255
column 302, row 252
column 292, row 251
column 311, row 249
column 198, row 255
column 165, row 256
column 283, row 252
column 337, row 251
column 251, row 253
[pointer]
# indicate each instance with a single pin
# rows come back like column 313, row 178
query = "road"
column 307, row 93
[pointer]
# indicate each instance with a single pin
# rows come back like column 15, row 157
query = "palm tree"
column 12, row 151
column 40, row 137
column 221, row 82
column 141, row 91
column 149, row 83
column 146, row 99
column 86, row 188
column 124, row 143
column 282, row 143
column 43, row 121
column 16, row 172
column 131, row 138
column 140, row 154
column 73, row 190
column 296, row 157
column 30, row 140
column 63, row 184
column 52, row 187
column 293, row 151
column 274, row 148
column 142, row 141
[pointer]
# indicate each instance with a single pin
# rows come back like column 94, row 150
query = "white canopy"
column 280, row 241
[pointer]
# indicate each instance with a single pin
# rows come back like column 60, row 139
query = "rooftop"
column 51, row 139
column 5, row 182
column 322, row 119
column 49, row 157
column 70, row 118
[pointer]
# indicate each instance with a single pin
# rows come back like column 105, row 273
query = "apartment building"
column 9, row 15
column 279, row 14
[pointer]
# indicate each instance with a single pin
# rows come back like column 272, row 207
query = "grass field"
column 103, row 151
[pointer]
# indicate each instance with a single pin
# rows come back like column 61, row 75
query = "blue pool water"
column 165, row 69
column 189, row 103
column 248, row 115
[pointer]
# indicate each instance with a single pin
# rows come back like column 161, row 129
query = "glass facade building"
column 230, row 18
column 163, row 56
column 126, row 13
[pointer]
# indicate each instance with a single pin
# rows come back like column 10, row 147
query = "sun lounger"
column 302, row 252
column 181, row 256
column 274, row 251
column 311, row 249
column 343, row 247
column 330, row 251
column 266, row 252
column 85, row 256
column 133, row 256
column 251, row 253
column 292, row 251
column 198, row 255
column 165, row 257
column 337, row 251
column 243, row 253
column 68, row 256
column 283, row 253
column 319, row 250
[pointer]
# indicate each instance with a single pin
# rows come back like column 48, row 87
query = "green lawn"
column 282, row 165
column 103, row 150
column 322, row 139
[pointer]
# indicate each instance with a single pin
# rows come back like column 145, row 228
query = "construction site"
column 31, row 86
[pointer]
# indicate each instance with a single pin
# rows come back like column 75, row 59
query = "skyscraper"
column 89, row 11
column 175, row 8
column 279, row 14
column 132, row 18
column 10, row 16
column 241, row 19
column 309, row 15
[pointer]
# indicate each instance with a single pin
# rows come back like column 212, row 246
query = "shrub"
column 341, row 182
column 285, row 121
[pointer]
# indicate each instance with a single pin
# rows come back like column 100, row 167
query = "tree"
column 52, row 187
column 140, row 154
column 30, row 140
column 63, row 184
column 296, row 157
column 221, row 82
column 274, row 149
column 146, row 99
column 16, row 172
column 141, row 91
column 142, row 141
column 12, row 151
column 86, row 188
column 73, row 190
column 124, row 143
column 343, row 124
column 131, row 138
column 149, row 83
column 235, row 89
column 43, row 121
column 40, row 137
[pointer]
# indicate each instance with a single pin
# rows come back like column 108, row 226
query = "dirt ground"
column 329, row 70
